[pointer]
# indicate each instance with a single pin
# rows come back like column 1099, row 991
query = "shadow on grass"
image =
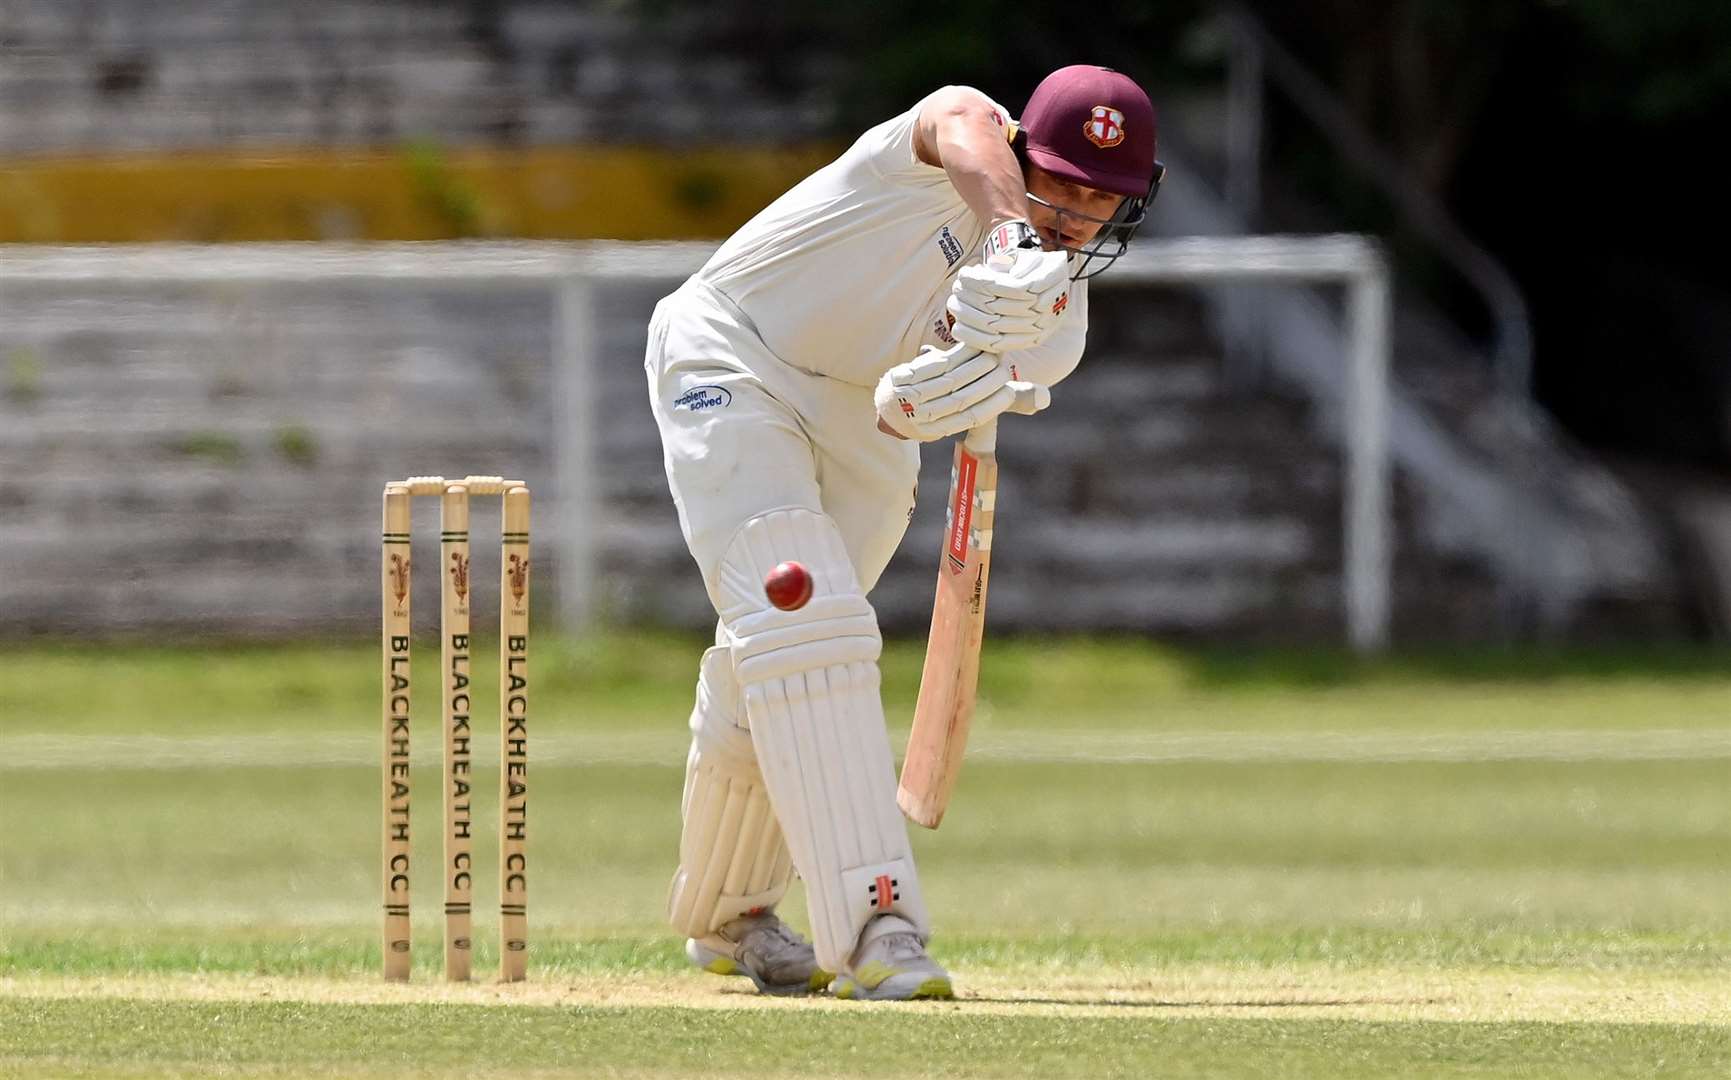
column 1164, row 1003
column 1118, row 1003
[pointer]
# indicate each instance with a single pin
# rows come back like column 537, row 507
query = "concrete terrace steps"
column 53, row 23
column 106, row 76
column 1089, row 547
column 1150, row 497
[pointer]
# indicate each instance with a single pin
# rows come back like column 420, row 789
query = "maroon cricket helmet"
column 1094, row 126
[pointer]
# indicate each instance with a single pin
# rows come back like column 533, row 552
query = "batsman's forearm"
column 983, row 169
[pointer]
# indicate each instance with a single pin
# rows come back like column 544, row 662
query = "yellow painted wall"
column 624, row 193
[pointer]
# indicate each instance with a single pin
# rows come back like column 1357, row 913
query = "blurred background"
column 188, row 458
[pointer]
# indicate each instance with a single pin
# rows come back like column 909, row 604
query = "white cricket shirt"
column 847, row 273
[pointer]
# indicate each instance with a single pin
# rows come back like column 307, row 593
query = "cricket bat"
column 952, row 672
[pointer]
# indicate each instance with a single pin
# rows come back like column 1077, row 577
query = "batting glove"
column 1015, row 299
column 938, row 394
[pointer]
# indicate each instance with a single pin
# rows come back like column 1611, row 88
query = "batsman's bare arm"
column 962, row 132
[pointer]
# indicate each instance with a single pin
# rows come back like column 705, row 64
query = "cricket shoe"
column 891, row 965
column 763, row 949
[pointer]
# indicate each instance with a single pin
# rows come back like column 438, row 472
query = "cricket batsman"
column 931, row 278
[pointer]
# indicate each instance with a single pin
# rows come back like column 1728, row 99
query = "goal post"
column 1358, row 264
column 571, row 273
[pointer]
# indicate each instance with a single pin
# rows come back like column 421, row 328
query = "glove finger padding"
column 934, row 374
column 993, row 341
column 987, row 409
column 1025, row 398
column 1011, row 304
column 910, row 396
column 940, row 405
column 1031, row 274
column 932, row 362
column 1004, row 306
column 997, row 333
column 1018, row 319
column 902, row 419
column 959, row 383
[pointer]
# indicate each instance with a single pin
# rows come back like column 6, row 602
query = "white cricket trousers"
column 756, row 449
column 742, row 433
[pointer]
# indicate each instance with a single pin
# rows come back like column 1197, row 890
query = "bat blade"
column 950, row 678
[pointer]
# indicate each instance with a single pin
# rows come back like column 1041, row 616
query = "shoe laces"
column 768, row 936
column 901, row 946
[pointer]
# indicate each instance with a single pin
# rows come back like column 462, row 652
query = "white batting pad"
column 809, row 679
column 732, row 859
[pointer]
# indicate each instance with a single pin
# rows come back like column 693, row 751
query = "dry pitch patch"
column 1292, row 993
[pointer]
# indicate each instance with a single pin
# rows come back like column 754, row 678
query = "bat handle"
column 983, row 439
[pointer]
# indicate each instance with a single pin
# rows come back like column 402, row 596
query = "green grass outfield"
column 1160, row 862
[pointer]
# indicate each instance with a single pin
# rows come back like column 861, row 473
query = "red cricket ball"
column 788, row 586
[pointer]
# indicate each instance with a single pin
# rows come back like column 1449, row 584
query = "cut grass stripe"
column 313, row 749
column 54, row 1036
column 338, row 954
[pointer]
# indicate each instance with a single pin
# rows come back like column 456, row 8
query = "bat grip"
column 983, row 439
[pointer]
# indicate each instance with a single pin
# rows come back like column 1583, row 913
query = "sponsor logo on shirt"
column 699, row 398
column 950, row 246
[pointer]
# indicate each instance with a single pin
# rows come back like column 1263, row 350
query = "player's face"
column 1067, row 214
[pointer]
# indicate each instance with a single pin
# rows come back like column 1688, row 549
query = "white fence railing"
column 571, row 271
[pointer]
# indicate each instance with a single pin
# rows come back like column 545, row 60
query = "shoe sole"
column 720, row 964
column 936, row 988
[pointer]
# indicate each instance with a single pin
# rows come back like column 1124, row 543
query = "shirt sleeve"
column 1052, row 361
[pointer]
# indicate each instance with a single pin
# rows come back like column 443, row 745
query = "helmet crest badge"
column 1105, row 127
